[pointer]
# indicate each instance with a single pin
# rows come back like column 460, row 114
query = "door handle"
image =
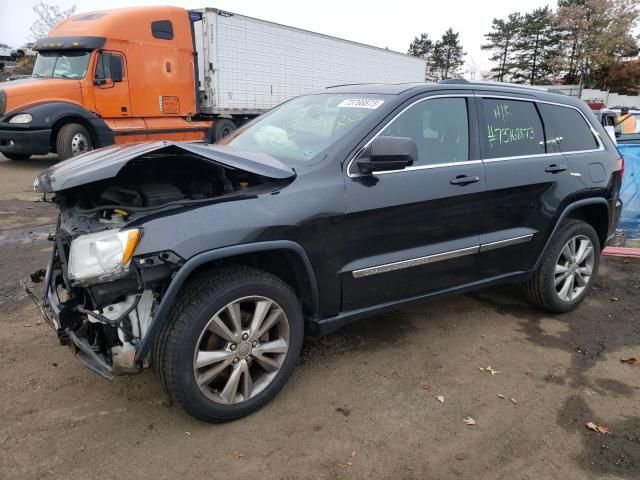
column 555, row 168
column 464, row 180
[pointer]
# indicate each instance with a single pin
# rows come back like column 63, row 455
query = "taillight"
column 621, row 166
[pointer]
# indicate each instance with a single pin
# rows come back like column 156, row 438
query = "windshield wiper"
column 62, row 75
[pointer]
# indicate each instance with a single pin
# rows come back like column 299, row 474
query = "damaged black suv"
column 210, row 263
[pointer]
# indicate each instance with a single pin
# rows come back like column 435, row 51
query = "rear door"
column 415, row 231
column 528, row 179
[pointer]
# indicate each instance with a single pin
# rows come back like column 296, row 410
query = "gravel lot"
column 362, row 403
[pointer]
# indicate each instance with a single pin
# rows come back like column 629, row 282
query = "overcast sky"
column 390, row 24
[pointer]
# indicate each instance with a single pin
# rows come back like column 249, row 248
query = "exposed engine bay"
column 157, row 181
column 106, row 314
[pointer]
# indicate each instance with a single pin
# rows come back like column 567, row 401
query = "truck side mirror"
column 115, row 68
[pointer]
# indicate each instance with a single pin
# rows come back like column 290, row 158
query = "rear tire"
column 72, row 140
column 568, row 268
column 213, row 357
column 222, row 128
column 18, row 157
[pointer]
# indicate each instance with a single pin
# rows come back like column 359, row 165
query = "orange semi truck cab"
column 165, row 73
column 101, row 78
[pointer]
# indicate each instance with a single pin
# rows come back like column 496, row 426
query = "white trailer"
column 247, row 66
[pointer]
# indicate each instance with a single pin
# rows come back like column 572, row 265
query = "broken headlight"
column 101, row 254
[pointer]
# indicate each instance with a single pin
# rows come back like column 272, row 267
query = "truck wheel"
column 230, row 344
column 567, row 270
column 19, row 157
column 223, row 127
column 73, row 139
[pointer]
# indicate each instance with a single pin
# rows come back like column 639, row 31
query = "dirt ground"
column 363, row 401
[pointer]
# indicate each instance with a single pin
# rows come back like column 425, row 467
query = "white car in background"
column 5, row 55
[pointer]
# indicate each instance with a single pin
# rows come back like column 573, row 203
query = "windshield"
column 304, row 127
column 62, row 64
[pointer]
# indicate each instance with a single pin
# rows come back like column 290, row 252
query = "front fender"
column 48, row 115
column 162, row 313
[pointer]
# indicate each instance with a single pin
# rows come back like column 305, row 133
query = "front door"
column 111, row 86
column 415, row 231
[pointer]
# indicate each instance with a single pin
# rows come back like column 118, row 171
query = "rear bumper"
column 24, row 141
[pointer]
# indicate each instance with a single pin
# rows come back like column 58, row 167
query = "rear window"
column 570, row 129
column 162, row 29
column 511, row 128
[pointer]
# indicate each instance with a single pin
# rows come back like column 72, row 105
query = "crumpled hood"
column 107, row 162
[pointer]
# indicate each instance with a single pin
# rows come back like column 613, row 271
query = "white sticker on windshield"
column 361, row 103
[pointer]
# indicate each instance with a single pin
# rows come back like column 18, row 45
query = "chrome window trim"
column 471, row 162
column 417, row 167
column 438, row 257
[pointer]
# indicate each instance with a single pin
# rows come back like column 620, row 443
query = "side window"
column 440, row 128
column 511, row 128
column 108, row 66
column 162, row 29
column 570, row 130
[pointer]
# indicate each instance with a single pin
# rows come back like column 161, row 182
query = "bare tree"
column 48, row 17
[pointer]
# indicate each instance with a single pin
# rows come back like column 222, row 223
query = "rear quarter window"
column 162, row 29
column 570, row 129
column 511, row 128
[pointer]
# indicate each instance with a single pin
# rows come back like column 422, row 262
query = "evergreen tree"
column 448, row 56
column 538, row 48
column 501, row 42
column 422, row 47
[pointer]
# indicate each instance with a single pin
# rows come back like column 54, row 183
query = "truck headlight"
column 21, row 118
column 102, row 254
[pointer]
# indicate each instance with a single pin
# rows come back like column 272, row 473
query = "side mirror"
column 388, row 153
column 115, row 68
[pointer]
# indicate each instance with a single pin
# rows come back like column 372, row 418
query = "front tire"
column 230, row 344
column 18, row 157
column 72, row 140
column 567, row 270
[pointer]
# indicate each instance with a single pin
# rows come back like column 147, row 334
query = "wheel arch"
column 283, row 258
column 594, row 211
column 61, row 122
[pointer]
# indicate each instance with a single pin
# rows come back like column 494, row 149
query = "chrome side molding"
column 439, row 257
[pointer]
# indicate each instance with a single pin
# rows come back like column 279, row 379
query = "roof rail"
column 462, row 81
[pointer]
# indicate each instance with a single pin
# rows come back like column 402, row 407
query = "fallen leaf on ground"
column 500, row 396
column 426, row 386
column 614, row 299
column 481, row 369
column 238, row 455
column 598, row 428
column 353, row 454
column 345, row 465
column 32, row 324
column 440, row 398
column 469, row 421
column 630, row 361
column 188, row 434
column 490, row 369
column 529, row 373
column 514, row 401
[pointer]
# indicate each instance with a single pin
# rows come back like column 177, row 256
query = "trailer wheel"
column 72, row 140
column 222, row 128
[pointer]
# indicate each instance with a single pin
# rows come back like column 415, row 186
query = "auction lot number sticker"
column 371, row 103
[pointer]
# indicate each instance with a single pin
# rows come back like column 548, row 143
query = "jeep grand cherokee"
column 210, row 263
